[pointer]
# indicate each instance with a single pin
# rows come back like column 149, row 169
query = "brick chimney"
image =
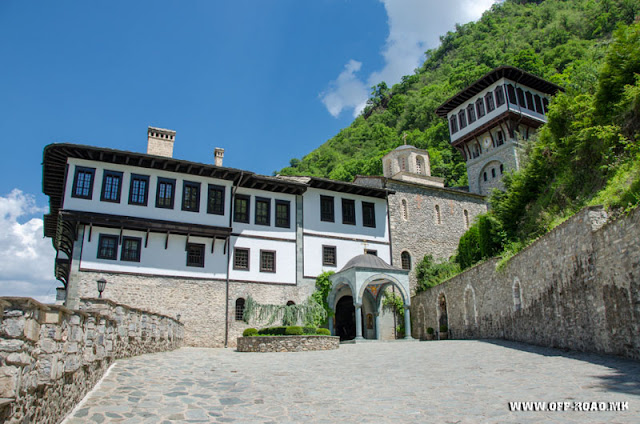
column 160, row 142
column 218, row 154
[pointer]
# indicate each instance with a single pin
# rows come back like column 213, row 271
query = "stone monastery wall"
column 51, row 356
column 577, row 287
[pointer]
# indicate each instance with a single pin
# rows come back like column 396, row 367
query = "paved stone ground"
column 439, row 382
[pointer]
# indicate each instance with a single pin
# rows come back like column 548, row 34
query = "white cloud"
column 414, row 27
column 26, row 257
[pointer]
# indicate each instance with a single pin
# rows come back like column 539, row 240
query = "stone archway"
column 345, row 319
column 443, row 318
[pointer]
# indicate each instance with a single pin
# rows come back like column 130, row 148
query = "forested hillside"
column 563, row 41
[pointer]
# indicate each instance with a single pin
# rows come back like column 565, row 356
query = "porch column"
column 377, row 324
column 358, row 321
column 331, row 326
column 407, row 323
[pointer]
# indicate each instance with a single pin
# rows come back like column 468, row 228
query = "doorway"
column 345, row 326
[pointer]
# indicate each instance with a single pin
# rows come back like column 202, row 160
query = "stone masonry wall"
column 51, row 356
column 420, row 234
column 577, row 287
column 200, row 303
column 287, row 343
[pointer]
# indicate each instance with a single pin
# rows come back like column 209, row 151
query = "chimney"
column 218, row 153
column 160, row 142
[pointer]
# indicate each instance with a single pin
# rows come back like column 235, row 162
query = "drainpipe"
column 226, row 297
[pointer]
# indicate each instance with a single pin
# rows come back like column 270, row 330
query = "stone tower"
column 489, row 119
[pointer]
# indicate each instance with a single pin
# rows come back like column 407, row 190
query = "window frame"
column 372, row 252
column 104, row 237
column 328, row 248
column 328, row 215
column 134, row 178
column 126, row 239
column 365, row 221
column 193, row 185
column 217, row 208
column 522, row 102
column 279, row 221
column 239, row 307
column 511, row 95
column 489, row 101
column 235, row 260
column 170, row 182
column 453, row 123
column 471, row 113
column 245, row 219
column 499, row 95
column 537, row 101
column 112, row 174
column 462, row 119
column 265, row 220
column 348, row 204
column 529, row 97
column 262, row 264
column 405, row 256
column 77, row 171
column 200, row 247
column 480, row 109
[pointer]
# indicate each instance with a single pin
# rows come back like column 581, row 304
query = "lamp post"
column 101, row 285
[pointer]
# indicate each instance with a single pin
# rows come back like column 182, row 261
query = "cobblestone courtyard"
column 439, row 382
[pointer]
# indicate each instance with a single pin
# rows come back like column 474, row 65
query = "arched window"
column 438, row 218
column 517, row 295
column 466, row 218
column 239, row 309
column 480, row 108
column 471, row 113
column 405, row 210
column 291, row 302
column 501, row 169
column 453, row 124
column 419, row 165
column 406, row 260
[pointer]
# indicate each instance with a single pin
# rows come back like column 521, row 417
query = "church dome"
column 367, row 261
column 404, row 147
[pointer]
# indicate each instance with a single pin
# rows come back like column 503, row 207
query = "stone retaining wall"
column 51, row 356
column 577, row 287
column 287, row 343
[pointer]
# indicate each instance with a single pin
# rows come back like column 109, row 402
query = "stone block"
column 71, row 347
column 9, row 381
column 32, row 329
column 14, row 313
column 51, row 317
column 11, row 345
column 21, row 359
column 12, row 327
column 74, row 319
column 49, row 346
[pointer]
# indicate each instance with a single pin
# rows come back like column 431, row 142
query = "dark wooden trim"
column 275, row 258
column 235, row 267
column 240, row 235
column 383, row 243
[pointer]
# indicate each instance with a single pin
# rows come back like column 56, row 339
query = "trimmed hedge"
column 323, row 332
column 249, row 332
column 293, row 330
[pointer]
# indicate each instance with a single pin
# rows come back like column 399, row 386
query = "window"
column 545, row 104
column 538, row 104
column 402, row 164
column 475, row 151
column 419, row 165
column 326, row 209
column 438, row 218
column 471, row 113
column 291, row 303
column 499, row 92
column 405, row 210
column 453, row 124
column 108, row 247
column 215, row 201
column 348, row 212
column 501, row 169
column 368, row 214
column 512, row 94
column 521, row 100
column 500, row 136
column 239, row 309
column 241, row 208
column 263, row 211
column 83, row 183
column 462, row 118
column 131, row 249
column 484, row 174
column 111, row 186
column 371, row 252
column 465, row 213
column 241, row 259
column 165, row 193
column 195, row 255
column 267, row 261
column 480, row 108
column 488, row 100
column 406, row 260
column 529, row 97
column 283, row 214
column 329, row 255
column 139, row 190
column 493, row 172
column 191, row 196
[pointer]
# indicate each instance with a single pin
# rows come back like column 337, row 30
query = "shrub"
column 444, row 328
column 323, row 332
column 250, row 332
column 272, row 331
column 430, row 330
column 293, row 331
column 309, row 330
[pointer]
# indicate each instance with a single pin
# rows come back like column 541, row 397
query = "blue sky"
column 267, row 80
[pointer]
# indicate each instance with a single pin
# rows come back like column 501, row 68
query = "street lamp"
column 101, row 285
